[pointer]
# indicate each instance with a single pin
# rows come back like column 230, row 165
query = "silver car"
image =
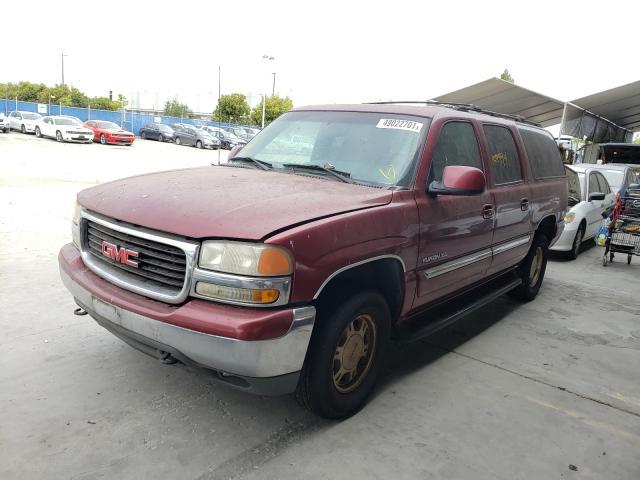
column 23, row 121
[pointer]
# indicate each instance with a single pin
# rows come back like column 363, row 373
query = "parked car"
column 589, row 196
column 227, row 140
column 157, row 131
column 109, row 132
column 193, row 137
column 63, row 129
column 23, row 121
column 619, row 176
column 239, row 132
column 4, row 123
column 289, row 271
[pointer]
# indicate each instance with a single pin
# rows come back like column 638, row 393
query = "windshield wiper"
column 260, row 163
column 328, row 168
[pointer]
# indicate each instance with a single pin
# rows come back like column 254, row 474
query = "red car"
column 109, row 132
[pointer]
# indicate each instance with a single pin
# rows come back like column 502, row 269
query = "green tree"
column 232, row 108
column 507, row 76
column 637, row 140
column 274, row 107
column 174, row 108
column 103, row 103
column 122, row 100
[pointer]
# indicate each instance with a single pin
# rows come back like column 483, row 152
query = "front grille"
column 159, row 265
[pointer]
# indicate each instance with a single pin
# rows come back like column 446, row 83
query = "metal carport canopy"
column 621, row 105
column 505, row 97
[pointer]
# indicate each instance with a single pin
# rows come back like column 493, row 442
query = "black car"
column 158, row 131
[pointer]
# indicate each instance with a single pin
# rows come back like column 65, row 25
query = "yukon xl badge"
column 434, row 257
column 121, row 255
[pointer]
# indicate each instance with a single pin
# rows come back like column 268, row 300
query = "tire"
column 629, row 259
column 352, row 339
column 103, row 139
column 532, row 270
column 161, row 139
column 178, row 141
column 577, row 243
column 143, row 135
column 23, row 129
column 59, row 137
column 38, row 132
column 198, row 144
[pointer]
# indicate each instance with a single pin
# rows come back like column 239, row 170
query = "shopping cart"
column 624, row 228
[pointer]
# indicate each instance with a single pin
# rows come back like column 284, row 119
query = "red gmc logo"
column 121, row 255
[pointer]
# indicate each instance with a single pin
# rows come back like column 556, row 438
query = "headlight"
column 75, row 225
column 257, row 260
column 570, row 217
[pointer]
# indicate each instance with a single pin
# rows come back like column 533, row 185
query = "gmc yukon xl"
column 291, row 269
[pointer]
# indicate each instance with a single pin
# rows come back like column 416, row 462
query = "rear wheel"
column 345, row 356
column 532, row 270
column 103, row 139
column 577, row 243
column 58, row 136
column 143, row 135
column 629, row 259
column 38, row 132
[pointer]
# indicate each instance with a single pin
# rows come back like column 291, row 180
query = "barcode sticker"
column 408, row 125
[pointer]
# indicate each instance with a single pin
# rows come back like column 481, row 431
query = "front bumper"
column 120, row 140
column 75, row 137
column 564, row 243
column 265, row 366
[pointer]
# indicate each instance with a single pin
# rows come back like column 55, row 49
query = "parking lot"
column 544, row 390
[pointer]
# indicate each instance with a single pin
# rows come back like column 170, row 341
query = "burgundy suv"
column 336, row 230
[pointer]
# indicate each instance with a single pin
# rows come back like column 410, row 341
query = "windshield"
column 614, row 177
column 107, row 126
column 30, row 116
column 378, row 148
column 573, row 185
column 68, row 121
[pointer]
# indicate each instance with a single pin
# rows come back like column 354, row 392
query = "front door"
column 455, row 230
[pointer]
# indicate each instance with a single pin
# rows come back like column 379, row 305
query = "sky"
column 323, row 52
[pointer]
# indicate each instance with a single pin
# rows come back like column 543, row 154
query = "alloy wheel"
column 354, row 353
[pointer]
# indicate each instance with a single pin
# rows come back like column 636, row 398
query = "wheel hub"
column 353, row 355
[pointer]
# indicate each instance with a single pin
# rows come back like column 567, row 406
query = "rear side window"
column 503, row 155
column 457, row 145
column 543, row 153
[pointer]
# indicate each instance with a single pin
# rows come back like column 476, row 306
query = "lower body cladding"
column 264, row 367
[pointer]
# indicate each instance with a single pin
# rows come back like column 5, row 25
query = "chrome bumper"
column 258, row 359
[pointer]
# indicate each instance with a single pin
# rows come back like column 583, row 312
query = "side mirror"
column 596, row 196
column 459, row 180
column 233, row 152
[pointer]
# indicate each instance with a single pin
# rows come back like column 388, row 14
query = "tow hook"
column 79, row 311
column 167, row 359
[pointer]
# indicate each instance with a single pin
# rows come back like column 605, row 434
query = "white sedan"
column 63, row 129
column 589, row 196
column 23, row 121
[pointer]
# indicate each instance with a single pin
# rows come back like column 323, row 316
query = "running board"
column 444, row 316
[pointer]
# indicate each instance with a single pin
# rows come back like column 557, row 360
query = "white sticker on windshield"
column 398, row 124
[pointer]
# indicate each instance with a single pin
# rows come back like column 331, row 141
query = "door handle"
column 487, row 211
column 524, row 204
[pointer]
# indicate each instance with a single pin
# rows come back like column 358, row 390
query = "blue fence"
column 129, row 120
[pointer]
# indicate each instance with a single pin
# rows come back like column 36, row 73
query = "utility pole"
column 219, row 114
column 62, row 57
column 273, row 89
column 264, row 104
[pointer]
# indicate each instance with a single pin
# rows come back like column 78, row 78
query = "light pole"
column 273, row 89
column 268, row 58
column 264, row 103
column 62, row 58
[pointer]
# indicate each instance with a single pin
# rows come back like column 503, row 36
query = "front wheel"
column 345, row 356
column 161, row 138
column 577, row 243
column 198, row 144
column 178, row 141
column 58, row 136
column 23, row 129
column 38, row 132
column 143, row 135
column 103, row 139
column 532, row 270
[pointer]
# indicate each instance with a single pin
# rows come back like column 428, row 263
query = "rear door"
column 595, row 207
column 455, row 231
column 511, row 194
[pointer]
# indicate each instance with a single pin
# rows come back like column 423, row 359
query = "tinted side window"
column 503, row 155
column 593, row 183
column 543, row 153
column 604, row 185
column 457, row 145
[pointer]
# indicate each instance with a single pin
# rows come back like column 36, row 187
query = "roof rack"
column 463, row 107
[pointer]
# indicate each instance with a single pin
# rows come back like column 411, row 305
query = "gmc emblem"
column 121, row 255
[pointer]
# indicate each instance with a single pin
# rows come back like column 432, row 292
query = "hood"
column 226, row 202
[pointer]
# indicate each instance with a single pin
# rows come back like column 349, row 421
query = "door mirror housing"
column 459, row 180
column 234, row 151
column 596, row 196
